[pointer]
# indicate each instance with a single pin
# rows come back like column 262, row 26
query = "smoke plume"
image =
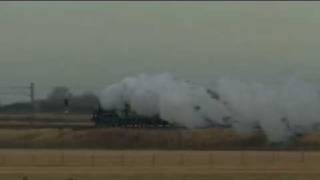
column 280, row 111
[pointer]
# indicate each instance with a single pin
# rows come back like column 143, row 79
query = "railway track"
column 57, row 121
column 43, row 125
column 45, row 120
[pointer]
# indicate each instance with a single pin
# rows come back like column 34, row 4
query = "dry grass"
column 118, row 138
column 184, row 165
column 44, row 117
column 228, row 160
column 166, row 139
column 166, row 164
column 233, row 176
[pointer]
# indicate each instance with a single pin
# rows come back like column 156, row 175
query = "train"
column 126, row 118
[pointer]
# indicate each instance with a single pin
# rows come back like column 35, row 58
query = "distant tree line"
column 55, row 102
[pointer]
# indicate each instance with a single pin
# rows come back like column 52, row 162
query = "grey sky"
column 88, row 45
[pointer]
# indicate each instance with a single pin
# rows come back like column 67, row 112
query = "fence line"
column 214, row 159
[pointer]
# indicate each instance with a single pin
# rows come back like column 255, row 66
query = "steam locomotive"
column 126, row 118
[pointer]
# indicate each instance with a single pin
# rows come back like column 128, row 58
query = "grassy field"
column 18, row 164
column 87, row 154
column 46, row 117
column 77, row 131
column 165, row 139
column 218, row 176
column 230, row 160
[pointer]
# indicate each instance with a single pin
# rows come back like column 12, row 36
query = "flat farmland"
column 221, row 160
column 41, row 120
column 130, row 164
column 30, row 153
column 77, row 131
column 163, row 176
column 44, row 116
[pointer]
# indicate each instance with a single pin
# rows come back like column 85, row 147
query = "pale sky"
column 88, row 45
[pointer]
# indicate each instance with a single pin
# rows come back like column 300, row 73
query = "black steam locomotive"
column 125, row 118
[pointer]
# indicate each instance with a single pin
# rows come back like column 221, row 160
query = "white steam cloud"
column 280, row 111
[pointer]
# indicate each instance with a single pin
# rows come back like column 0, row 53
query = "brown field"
column 87, row 153
column 221, row 160
column 45, row 120
column 164, row 139
column 98, row 165
column 76, row 131
column 45, row 117
column 164, row 176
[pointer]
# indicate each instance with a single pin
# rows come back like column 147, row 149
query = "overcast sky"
column 88, row 45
